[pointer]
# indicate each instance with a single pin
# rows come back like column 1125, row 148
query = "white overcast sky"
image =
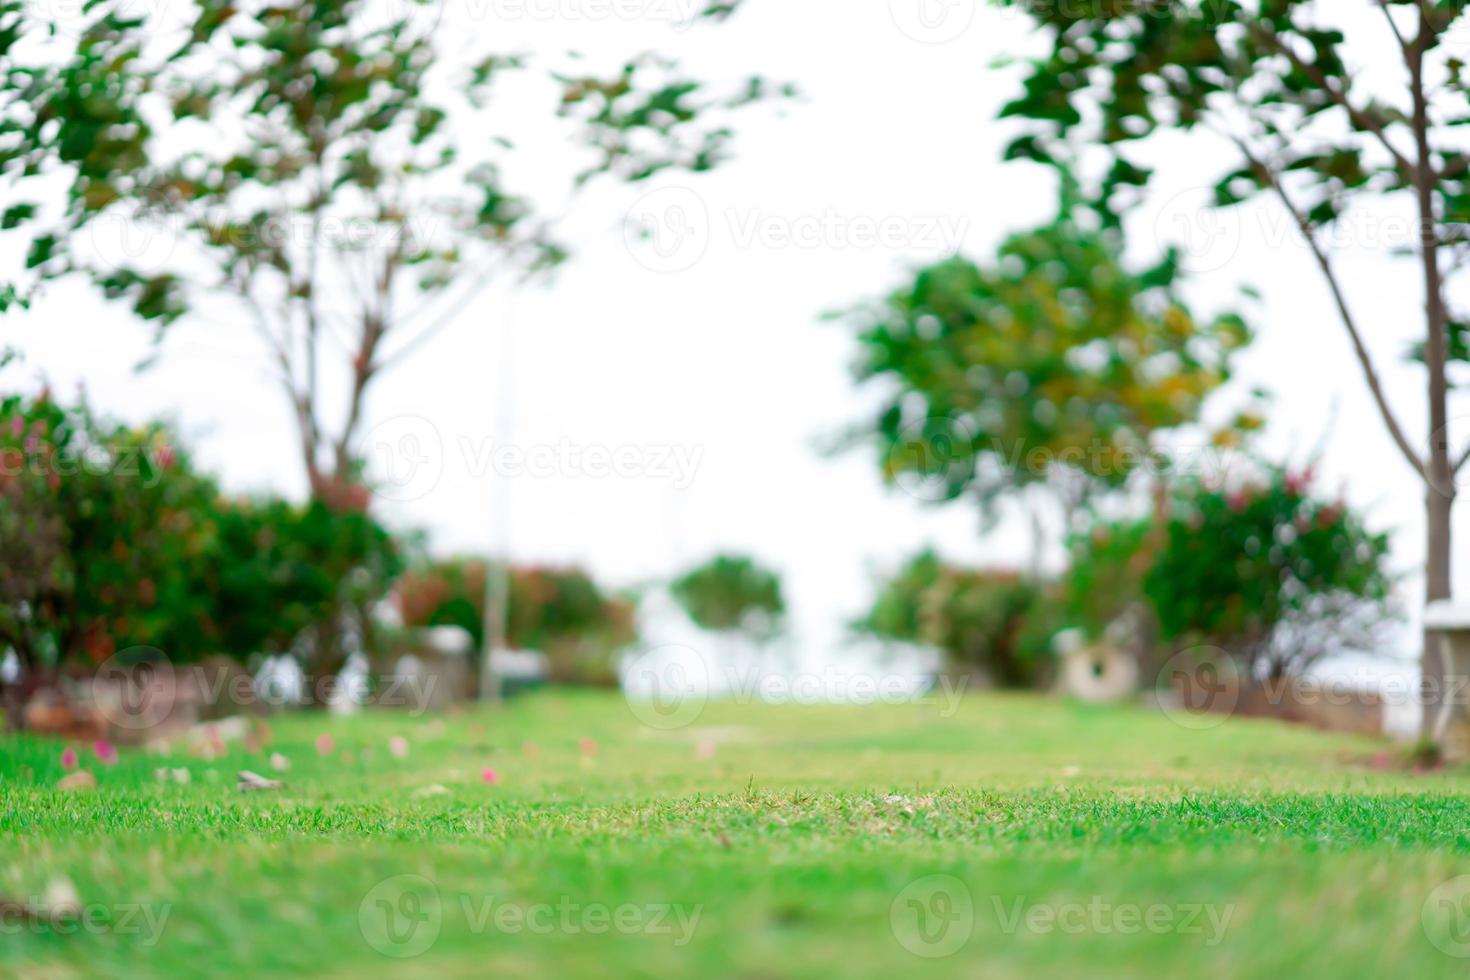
column 718, row 349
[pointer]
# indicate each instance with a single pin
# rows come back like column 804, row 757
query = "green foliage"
column 278, row 569
column 1235, row 563
column 1056, row 357
column 997, row 620
column 1105, row 572
column 1040, row 802
column 101, row 527
column 109, row 538
column 731, row 593
column 334, row 175
column 561, row 612
column 1279, row 85
column 1281, row 66
column 1262, row 569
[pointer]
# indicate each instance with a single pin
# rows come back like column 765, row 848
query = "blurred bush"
column 101, row 530
column 732, row 593
column 1261, row 568
column 562, row 612
column 997, row 620
column 110, row 539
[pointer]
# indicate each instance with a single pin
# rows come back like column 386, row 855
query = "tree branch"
column 1383, row 5
column 1324, row 262
column 1359, row 117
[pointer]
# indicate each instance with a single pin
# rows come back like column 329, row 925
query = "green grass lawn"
column 1015, row 837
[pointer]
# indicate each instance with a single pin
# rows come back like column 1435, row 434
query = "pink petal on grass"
column 69, row 759
column 588, row 745
column 490, row 776
column 106, row 754
column 324, row 743
column 705, row 750
column 398, row 746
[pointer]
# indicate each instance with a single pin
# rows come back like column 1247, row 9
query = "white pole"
column 497, row 566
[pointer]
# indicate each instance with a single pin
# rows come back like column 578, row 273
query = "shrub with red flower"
column 1265, row 569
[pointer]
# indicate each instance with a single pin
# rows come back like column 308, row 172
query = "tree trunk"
column 1438, row 470
column 1437, row 564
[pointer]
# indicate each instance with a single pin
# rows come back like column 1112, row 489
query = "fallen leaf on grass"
column 251, row 782
column 61, row 900
column 81, row 779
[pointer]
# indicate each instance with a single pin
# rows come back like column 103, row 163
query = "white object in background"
column 351, row 691
column 520, row 665
column 280, row 681
column 1450, row 727
column 449, row 641
column 1099, row 673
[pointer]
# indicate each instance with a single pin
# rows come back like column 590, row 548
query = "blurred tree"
column 732, row 594
column 102, row 528
column 279, row 573
column 1053, row 367
column 1280, row 82
column 561, row 612
column 322, row 173
column 997, row 620
column 109, row 539
column 1261, row 568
